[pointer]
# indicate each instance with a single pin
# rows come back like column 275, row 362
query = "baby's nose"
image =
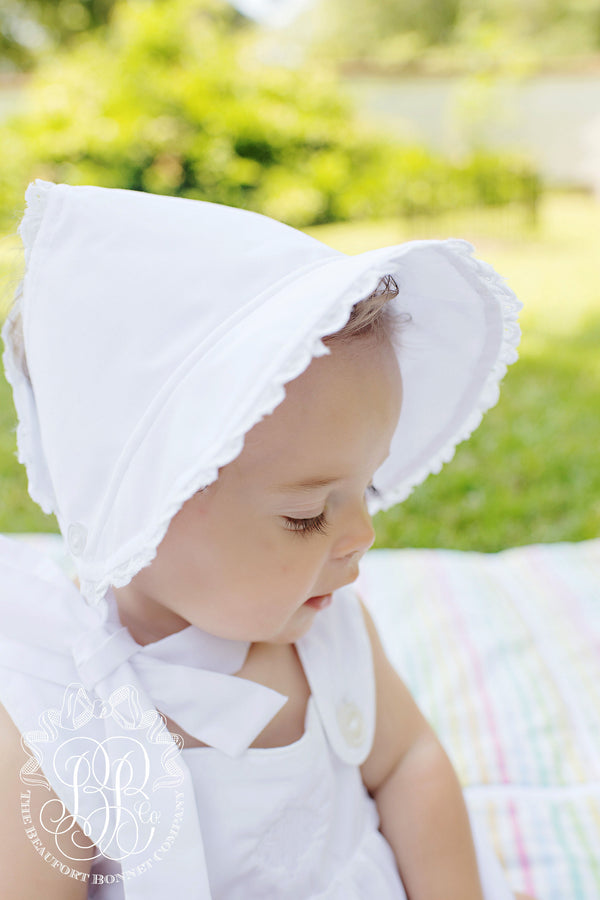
column 358, row 539
column 354, row 557
column 349, row 564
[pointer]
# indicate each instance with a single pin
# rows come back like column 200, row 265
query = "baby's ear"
column 76, row 582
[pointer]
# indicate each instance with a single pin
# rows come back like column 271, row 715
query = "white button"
column 76, row 538
column 351, row 724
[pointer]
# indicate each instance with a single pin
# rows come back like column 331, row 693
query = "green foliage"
column 173, row 99
column 432, row 34
column 28, row 27
column 413, row 181
column 170, row 100
column 456, row 33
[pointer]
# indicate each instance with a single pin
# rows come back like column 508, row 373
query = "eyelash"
column 318, row 524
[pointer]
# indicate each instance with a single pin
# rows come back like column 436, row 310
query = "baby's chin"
column 265, row 629
column 296, row 627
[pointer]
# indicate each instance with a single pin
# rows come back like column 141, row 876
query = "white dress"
column 292, row 822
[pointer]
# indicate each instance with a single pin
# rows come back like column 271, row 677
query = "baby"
column 340, row 788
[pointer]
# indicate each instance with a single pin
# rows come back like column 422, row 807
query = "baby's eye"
column 316, row 525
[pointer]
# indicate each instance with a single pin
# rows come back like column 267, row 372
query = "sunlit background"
column 364, row 123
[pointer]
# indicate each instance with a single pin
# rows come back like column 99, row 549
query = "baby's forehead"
column 328, row 435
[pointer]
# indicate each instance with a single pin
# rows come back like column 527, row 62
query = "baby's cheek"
column 301, row 566
column 257, row 551
column 281, row 561
column 268, row 539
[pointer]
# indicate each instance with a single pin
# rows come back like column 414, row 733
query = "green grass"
column 530, row 473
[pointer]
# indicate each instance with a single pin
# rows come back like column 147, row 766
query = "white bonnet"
column 159, row 330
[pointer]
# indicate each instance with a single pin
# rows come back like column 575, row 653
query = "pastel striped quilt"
column 502, row 653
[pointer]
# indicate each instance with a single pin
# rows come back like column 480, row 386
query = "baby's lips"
column 319, row 602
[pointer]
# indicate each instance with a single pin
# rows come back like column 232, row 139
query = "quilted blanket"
column 502, row 653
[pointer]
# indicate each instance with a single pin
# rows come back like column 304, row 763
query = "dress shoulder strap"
column 338, row 662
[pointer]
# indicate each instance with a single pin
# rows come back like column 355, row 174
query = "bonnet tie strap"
column 227, row 713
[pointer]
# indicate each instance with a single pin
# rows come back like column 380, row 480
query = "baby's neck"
column 146, row 625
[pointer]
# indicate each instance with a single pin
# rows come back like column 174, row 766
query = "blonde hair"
column 14, row 332
column 373, row 316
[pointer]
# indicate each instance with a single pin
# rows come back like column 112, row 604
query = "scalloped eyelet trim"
column 489, row 394
column 28, row 453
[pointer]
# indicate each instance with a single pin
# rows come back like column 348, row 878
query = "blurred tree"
column 388, row 31
column 28, row 27
column 364, row 29
column 173, row 98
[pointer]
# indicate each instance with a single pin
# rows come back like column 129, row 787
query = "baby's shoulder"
column 23, row 870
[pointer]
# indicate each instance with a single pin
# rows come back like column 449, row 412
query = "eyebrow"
column 308, row 485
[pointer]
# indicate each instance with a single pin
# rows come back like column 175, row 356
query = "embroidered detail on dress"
column 288, row 843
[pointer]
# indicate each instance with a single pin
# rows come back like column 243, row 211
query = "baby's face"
column 241, row 559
